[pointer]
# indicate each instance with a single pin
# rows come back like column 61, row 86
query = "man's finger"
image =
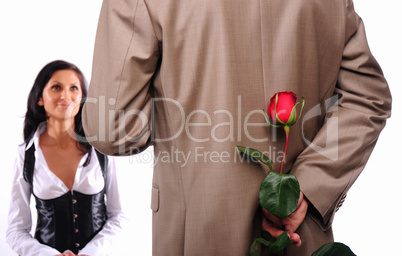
column 295, row 239
column 272, row 217
column 271, row 227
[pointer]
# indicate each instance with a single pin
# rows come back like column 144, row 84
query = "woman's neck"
column 58, row 133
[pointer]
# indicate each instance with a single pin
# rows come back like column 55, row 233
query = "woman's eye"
column 74, row 88
column 55, row 87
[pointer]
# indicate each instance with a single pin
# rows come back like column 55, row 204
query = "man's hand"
column 275, row 226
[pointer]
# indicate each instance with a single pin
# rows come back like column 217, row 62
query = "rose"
column 282, row 113
column 282, row 109
column 279, row 193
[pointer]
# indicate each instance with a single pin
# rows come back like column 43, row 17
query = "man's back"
column 191, row 78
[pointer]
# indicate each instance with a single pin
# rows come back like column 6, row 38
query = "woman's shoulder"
column 19, row 158
column 21, row 148
column 33, row 142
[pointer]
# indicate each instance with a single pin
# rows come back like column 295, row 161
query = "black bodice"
column 70, row 221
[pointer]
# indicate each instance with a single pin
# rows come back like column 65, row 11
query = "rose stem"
column 287, row 129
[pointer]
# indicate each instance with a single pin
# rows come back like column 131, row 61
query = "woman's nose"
column 65, row 94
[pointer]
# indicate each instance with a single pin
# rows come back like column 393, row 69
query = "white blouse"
column 46, row 185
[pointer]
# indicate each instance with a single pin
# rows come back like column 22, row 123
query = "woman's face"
column 62, row 95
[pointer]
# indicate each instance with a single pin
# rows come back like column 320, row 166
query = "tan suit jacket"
column 191, row 78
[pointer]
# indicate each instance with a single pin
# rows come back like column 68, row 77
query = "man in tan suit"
column 191, row 78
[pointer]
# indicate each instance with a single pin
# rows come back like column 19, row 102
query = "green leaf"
column 279, row 194
column 267, row 236
column 254, row 247
column 254, row 153
column 333, row 249
column 274, row 245
column 281, row 243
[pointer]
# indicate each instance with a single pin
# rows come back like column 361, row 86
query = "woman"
column 66, row 176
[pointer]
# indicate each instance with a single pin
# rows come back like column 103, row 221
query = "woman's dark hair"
column 36, row 114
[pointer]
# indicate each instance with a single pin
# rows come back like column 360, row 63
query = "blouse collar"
column 35, row 139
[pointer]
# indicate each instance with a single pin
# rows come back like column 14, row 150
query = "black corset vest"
column 70, row 221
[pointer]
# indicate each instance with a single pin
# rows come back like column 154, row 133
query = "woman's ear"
column 40, row 102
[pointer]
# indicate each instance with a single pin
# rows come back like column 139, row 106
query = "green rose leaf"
column 333, row 249
column 279, row 194
column 254, row 247
column 281, row 243
column 254, row 153
column 267, row 236
column 274, row 245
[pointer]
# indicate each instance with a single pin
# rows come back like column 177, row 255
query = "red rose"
column 281, row 110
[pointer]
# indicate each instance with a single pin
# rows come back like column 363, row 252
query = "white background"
column 32, row 33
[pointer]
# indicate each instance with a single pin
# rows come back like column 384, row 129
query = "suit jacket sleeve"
column 331, row 163
column 117, row 111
